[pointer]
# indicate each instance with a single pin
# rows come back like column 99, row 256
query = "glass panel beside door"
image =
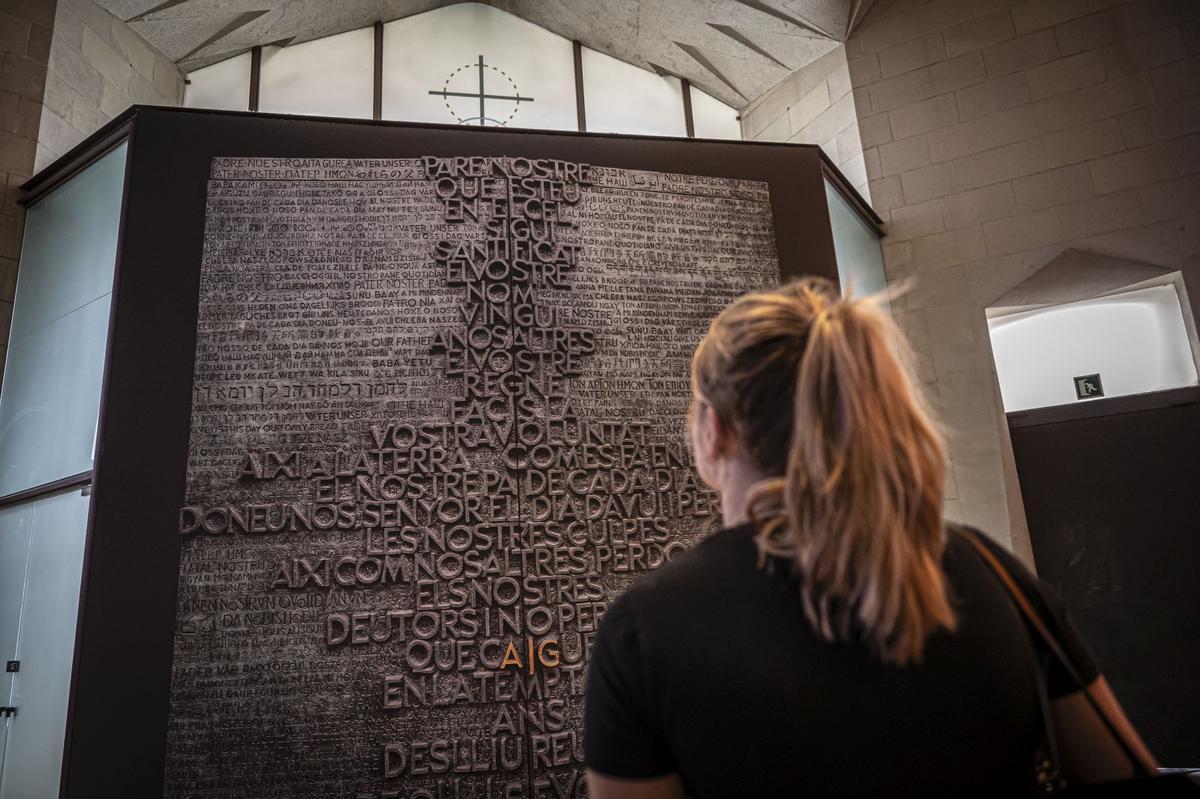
column 49, row 410
column 41, row 562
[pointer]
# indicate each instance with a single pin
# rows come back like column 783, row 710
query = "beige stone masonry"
column 98, row 67
column 991, row 96
column 1055, row 187
column 922, row 117
column 997, row 134
column 927, row 183
column 904, row 155
column 1021, row 53
column 1033, row 15
column 1065, row 74
column 816, row 105
column 976, row 206
column 1095, row 30
column 979, row 32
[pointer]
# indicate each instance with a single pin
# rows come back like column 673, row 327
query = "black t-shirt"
column 709, row 668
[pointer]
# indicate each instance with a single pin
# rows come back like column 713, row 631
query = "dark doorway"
column 1112, row 496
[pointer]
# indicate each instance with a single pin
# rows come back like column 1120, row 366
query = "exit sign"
column 1088, row 387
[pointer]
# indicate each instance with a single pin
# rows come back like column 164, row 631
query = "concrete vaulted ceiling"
column 733, row 49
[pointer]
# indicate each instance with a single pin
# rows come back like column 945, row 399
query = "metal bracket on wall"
column 7, row 711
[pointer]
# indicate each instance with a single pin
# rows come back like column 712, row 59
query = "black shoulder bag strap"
column 1051, row 643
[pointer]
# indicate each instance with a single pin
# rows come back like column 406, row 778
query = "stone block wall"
column 98, row 67
column 813, row 105
column 997, row 134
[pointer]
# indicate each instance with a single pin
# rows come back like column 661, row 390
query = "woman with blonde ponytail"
column 837, row 638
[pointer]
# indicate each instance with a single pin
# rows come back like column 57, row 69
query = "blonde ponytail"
column 858, row 508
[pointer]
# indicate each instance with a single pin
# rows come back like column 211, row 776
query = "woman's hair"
column 816, row 388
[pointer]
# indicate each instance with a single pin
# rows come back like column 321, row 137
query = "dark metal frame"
column 688, row 122
column 77, row 159
column 46, row 489
column 149, row 358
column 1104, row 406
column 580, row 108
column 255, row 76
column 377, row 74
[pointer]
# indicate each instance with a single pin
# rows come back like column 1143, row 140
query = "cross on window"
column 482, row 94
